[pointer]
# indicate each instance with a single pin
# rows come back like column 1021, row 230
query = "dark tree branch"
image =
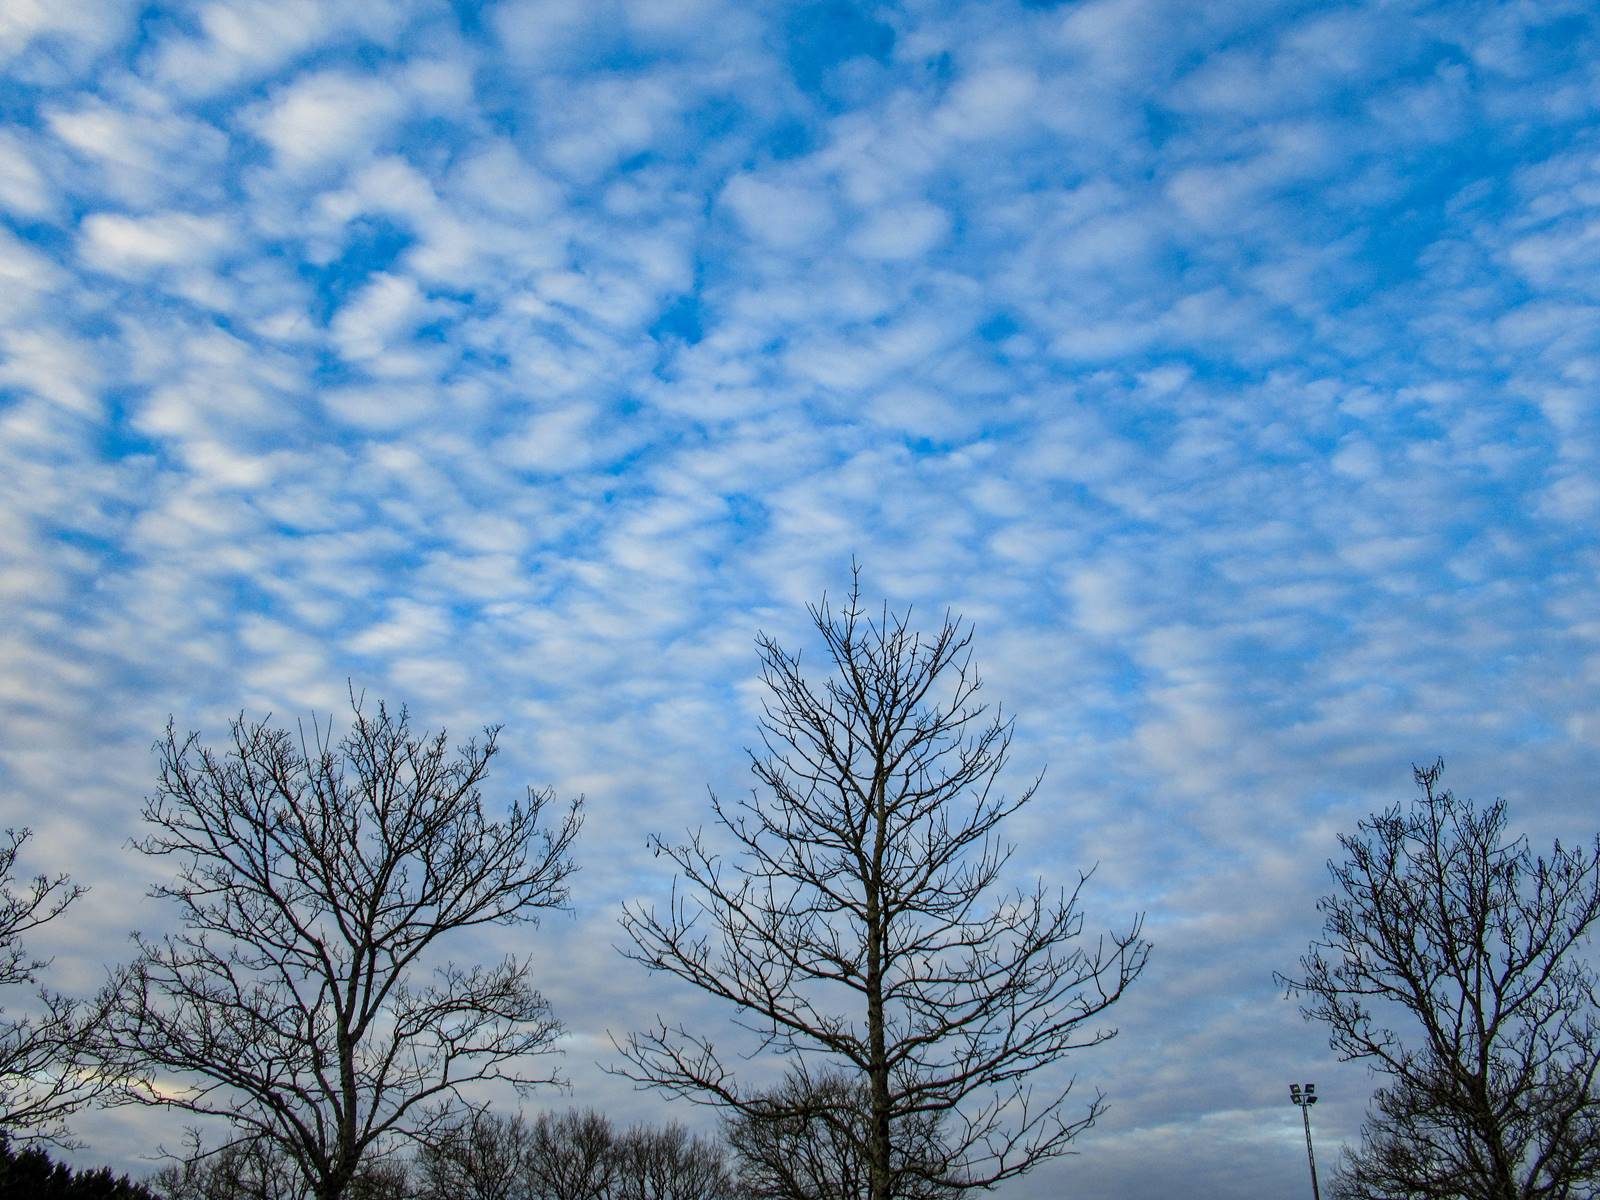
column 1451, row 962
column 856, row 920
column 302, row 999
column 45, row 1074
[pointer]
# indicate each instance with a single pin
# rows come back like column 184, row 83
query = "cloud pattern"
column 1232, row 367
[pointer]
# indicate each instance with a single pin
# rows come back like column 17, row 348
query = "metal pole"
column 1305, row 1115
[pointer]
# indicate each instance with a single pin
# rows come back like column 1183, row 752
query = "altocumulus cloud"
column 1232, row 366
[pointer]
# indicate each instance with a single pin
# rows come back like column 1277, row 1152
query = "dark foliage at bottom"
column 30, row 1174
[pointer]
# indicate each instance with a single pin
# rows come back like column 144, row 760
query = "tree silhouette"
column 305, row 999
column 858, row 918
column 1451, row 961
column 44, row 1074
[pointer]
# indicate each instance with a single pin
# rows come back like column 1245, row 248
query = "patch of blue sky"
column 122, row 440
column 370, row 245
column 828, row 45
column 682, row 321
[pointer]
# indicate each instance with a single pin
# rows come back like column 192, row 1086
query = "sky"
column 1231, row 367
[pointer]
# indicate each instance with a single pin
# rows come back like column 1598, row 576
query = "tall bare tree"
column 44, row 1077
column 306, row 999
column 1452, row 961
column 858, row 918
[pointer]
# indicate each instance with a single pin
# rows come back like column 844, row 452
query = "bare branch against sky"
column 308, row 998
column 858, row 918
column 1455, row 963
column 44, row 1074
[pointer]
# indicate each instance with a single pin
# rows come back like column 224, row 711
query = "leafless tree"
column 573, row 1156
column 478, row 1155
column 1451, row 960
column 261, row 1170
column 44, row 1077
column 253, row 1170
column 305, row 999
column 855, row 920
column 576, row 1155
column 813, row 1145
column 667, row 1163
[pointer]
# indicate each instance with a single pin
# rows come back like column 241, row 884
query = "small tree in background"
column 260, row 1170
column 44, row 1076
column 857, row 921
column 576, row 1155
column 253, row 1170
column 304, row 1000
column 477, row 1156
column 811, row 1144
column 1451, row 961
column 571, row 1156
column 668, row 1163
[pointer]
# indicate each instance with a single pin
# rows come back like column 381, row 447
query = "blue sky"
column 1232, row 367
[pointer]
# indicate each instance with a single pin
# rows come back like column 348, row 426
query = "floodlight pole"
column 1303, row 1099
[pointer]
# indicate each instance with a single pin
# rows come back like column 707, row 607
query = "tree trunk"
column 878, row 1071
column 877, row 1041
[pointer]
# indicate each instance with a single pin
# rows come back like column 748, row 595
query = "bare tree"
column 668, row 1163
column 575, row 1155
column 812, row 1144
column 240, row 1170
column 44, row 1076
column 855, row 921
column 1451, row 961
column 572, row 1156
column 478, row 1156
column 306, row 1000
column 261, row 1170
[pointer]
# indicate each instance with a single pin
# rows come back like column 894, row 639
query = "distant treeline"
column 481, row 1155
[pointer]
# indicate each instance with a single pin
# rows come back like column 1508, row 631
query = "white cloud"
column 137, row 246
column 407, row 627
column 1321, row 54
column 26, row 276
column 785, row 216
column 326, row 118
column 901, row 234
column 525, row 371
column 70, row 35
column 991, row 103
column 218, row 402
column 370, row 329
column 59, row 368
column 244, row 40
column 144, row 153
column 498, row 179
column 553, row 440
column 592, row 125
column 1104, row 599
column 380, row 407
column 23, row 186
